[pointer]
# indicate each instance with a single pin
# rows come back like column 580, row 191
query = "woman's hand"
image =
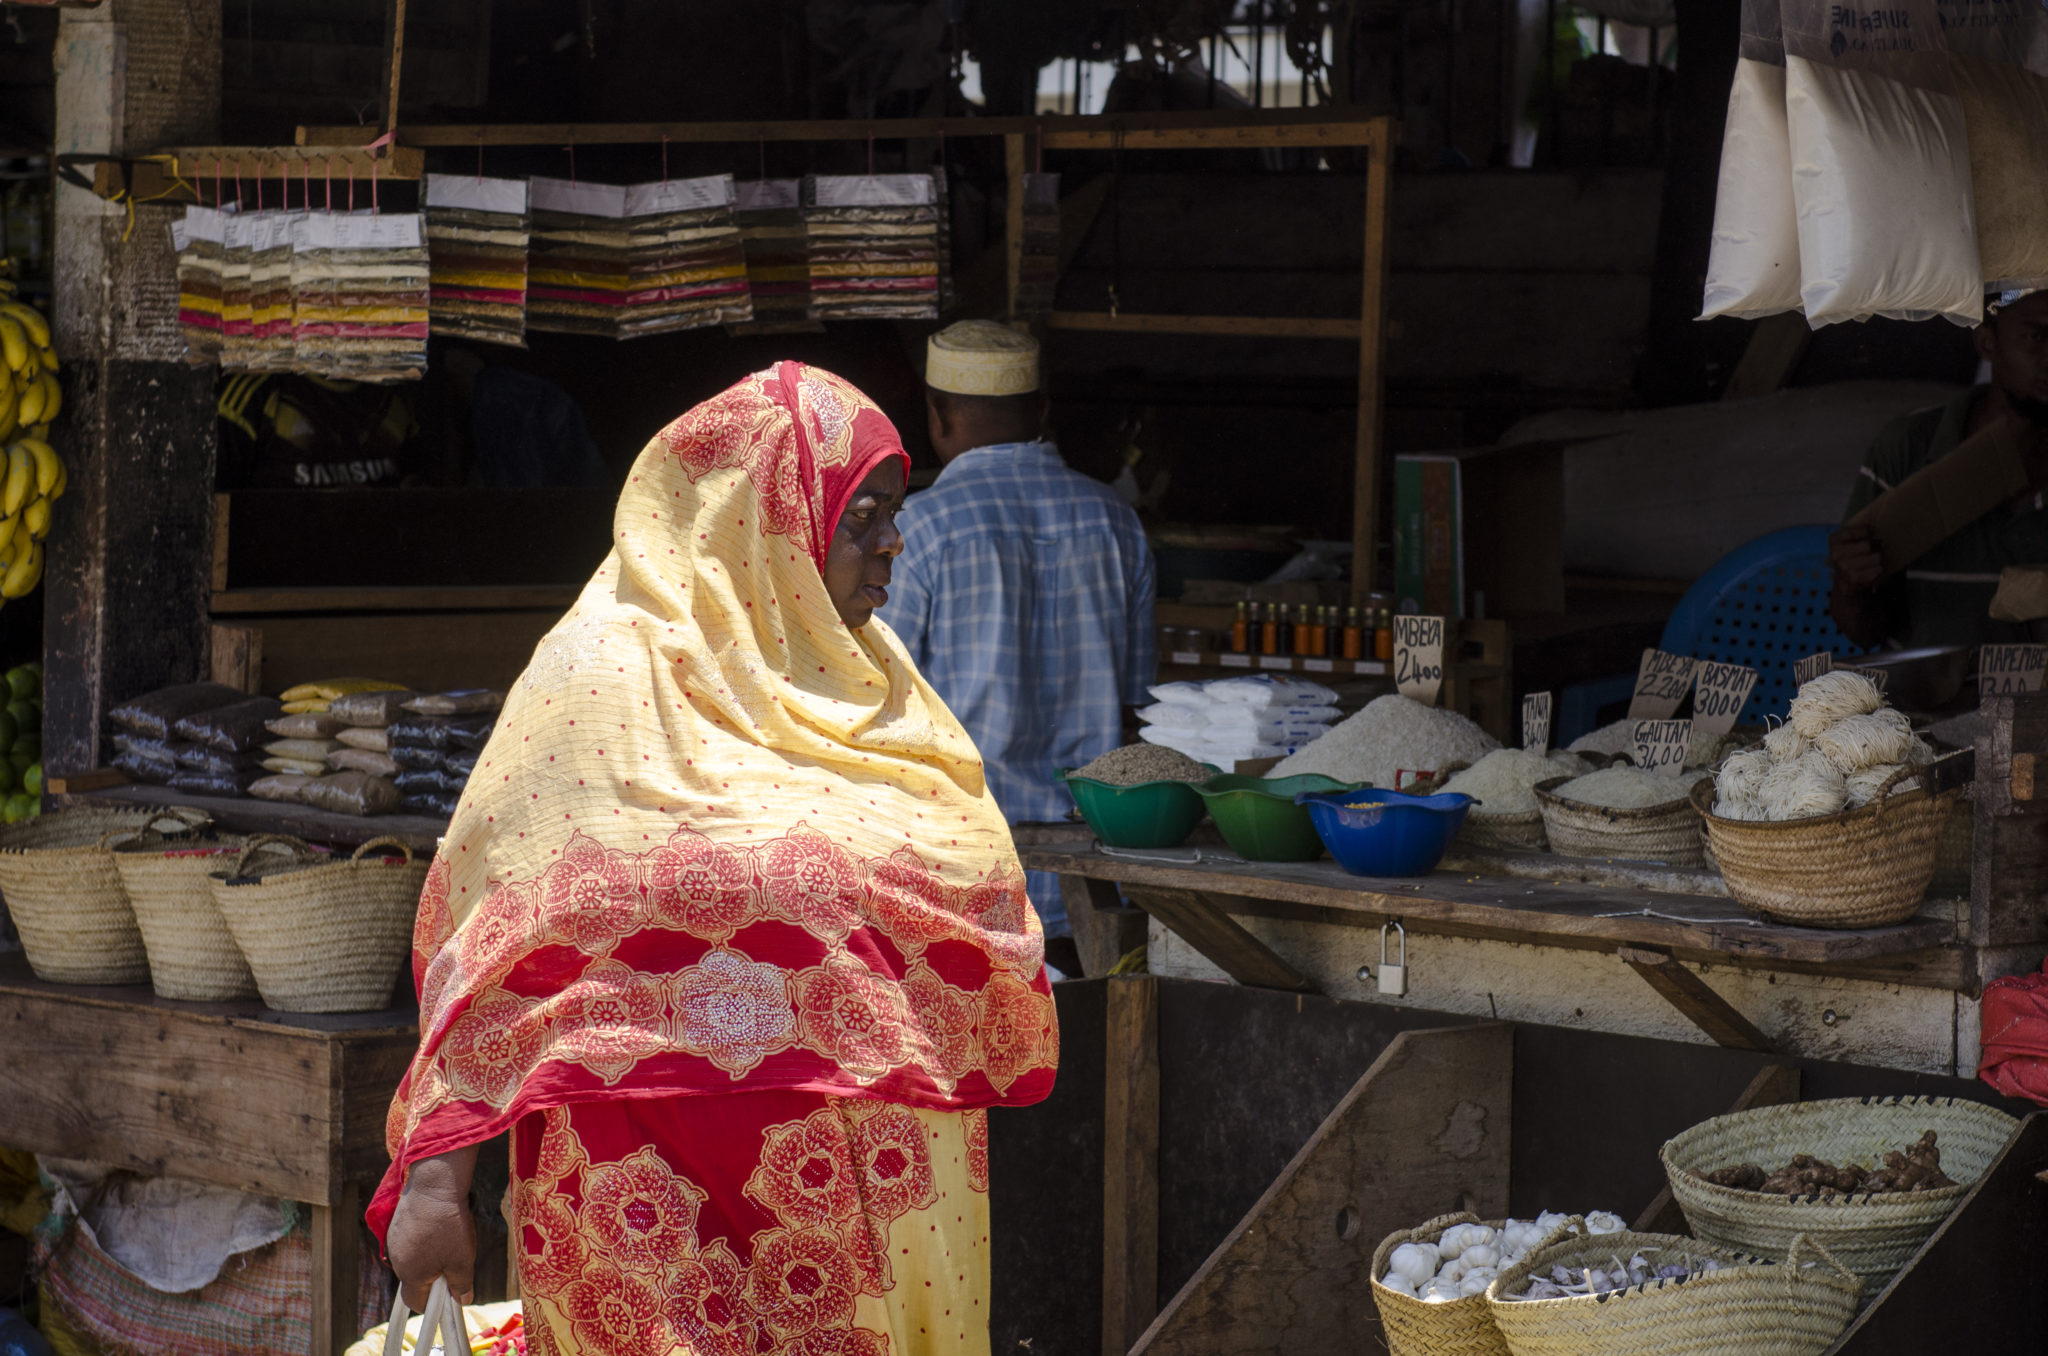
column 432, row 1234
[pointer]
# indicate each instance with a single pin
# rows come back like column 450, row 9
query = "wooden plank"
column 222, row 503
column 1105, row 928
column 370, row 1073
column 237, row 656
column 188, row 176
column 426, row 651
column 1130, row 1163
column 1013, row 219
column 1220, row 938
column 1263, row 134
column 394, row 59
column 1978, row 1276
column 99, row 779
column 2009, row 851
column 245, row 602
column 1770, row 357
column 335, row 1233
column 1246, row 326
column 1425, row 1130
column 1774, row 1085
column 1694, row 997
column 650, row 133
column 1372, row 345
column 1531, row 911
column 2023, row 776
column 247, row 815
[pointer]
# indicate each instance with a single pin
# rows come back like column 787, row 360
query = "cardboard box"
column 1937, row 501
column 1481, row 529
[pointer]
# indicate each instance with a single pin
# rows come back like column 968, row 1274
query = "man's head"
column 2014, row 340
column 981, row 387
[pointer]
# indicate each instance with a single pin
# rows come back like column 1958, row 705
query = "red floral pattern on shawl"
column 719, row 841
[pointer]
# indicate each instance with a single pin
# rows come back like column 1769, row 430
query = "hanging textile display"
column 272, row 346
column 361, row 296
column 198, row 238
column 769, row 213
column 873, row 246
column 476, row 251
column 1038, row 269
column 237, row 301
column 627, row 260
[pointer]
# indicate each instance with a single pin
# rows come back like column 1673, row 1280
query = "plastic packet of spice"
column 363, row 760
column 199, row 758
column 364, row 737
column 307, row 725
column 441, row 806
column 314, row 750
column 233, row 728
column 154, row 713
column 475, row 737
column 369, row 709
column 284, row 786
column 351, row 793
column 463, row 703
column 306, row 767
column 140, row 768
column 423, row 732
column 459, row 762
column 333, row 689
column 417, row 759
column 200, row 782
column 425, row 782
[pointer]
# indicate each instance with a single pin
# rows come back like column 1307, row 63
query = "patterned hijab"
column 718, row 840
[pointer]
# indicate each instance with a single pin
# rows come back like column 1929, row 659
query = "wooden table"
column 243, row 814
column 233, row 1094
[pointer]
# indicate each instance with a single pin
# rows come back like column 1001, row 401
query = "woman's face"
column 857, row 563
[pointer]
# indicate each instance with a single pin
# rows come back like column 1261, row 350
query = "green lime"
column 27, row 716
column 21, row 682
column 32, row 780
column 18, row 808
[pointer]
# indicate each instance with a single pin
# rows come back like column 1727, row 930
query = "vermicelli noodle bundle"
column 1864, row 785
column 1738, row 791
column 1785, row 744
column 1832, row 697
column 1806, row 786
column 1857, row 742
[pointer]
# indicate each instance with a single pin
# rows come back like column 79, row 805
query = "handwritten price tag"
column 1718, row 698
column 1536, row 722
column 2003, row 669
column 1813, row 666
column 1419, row 657
column 1882, row 677
column 1660, row 745
column 1662, row 681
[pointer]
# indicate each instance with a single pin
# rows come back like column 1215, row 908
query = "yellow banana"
column 25, row 573
column 10, row 534
column 36, row 518
column 47, row 463
column 8, row 424
column 30, row 320
column 53, row 398
column 32, row 400
column 63, row 480
column 48, row 357
column 21, row 478
column 10, row 402
column 13, row 343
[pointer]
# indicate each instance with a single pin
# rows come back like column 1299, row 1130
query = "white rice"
column 1504, row 781
column 1628, row 788
column 1391, row 735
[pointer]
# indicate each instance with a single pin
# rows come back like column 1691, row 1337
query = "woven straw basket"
column 1668, row 833
column 1748, row 1308
column 1952, row 856
column 1873, row 1235
column 192, row 955
column 65, row 895
column 1862, row 868
column 1456, row 1328
column 1504, row 833
column 323, row 935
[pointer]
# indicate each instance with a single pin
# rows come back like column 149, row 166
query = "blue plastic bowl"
column 1386, row 833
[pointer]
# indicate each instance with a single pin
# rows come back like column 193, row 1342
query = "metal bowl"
column 1921, row 680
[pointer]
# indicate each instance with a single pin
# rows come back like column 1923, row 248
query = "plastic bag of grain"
column 1880, row 164
column 1999, row 54
column 1754, row 267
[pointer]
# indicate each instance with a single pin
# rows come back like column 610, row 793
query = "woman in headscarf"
column 727, row 932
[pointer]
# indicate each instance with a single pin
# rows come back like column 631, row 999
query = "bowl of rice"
column 1139, row 796
column 1624, row 812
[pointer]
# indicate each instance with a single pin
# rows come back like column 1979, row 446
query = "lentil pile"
column 1135, row 763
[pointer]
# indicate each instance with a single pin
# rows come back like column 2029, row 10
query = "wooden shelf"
column 1275, row 663
column 239, row 814
column 480, row 598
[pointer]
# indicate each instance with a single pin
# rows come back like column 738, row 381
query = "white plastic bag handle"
column 442, row 1322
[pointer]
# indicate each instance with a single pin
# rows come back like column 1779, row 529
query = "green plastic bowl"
column 1148, row 815
column 1259, row 818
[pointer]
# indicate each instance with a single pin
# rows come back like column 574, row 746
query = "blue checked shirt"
column 1024, row 593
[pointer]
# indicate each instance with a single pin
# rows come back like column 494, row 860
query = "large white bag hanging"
column 1999, row 54
column 1880, row 164
column 1754, row 267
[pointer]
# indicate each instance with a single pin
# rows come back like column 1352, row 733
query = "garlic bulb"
column 1436, row 1292
column 1475, row 1282
column 1414, row 1263
column 1453, row 1271
column 1459, row 1237
column 1549, row 1220
column 1398, row 1283
column 1604, row 1222
column 1480, row 1256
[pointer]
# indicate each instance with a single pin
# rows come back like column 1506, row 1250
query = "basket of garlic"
column 1830, row 823
column 1624, row 1294
column 1430, row 1281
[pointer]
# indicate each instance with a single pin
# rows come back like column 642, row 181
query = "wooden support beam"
column 2023, row 782
column 1425, row 1131
column 1248, row 326
column 1198, row 921
column 1105, row 928
column 394, row 59
column 1774, row 1085
column 1130, row 1164
column 336, row 1239
column 1013, row 219
column 1372, row 348
column 1771, row 356
column 237, row 658
column 1694, row 997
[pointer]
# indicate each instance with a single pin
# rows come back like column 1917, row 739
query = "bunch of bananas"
column 33, row 476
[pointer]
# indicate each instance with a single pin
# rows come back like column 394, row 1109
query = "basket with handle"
column 322, row 935
column 455, row 1328
column 192, row 955
column 1862, row 868
column 1460, row 1327
column 1747, row 1307
column 1668, row 833
column 58, row 879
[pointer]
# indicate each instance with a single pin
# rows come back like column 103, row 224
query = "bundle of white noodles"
column 1835, row 752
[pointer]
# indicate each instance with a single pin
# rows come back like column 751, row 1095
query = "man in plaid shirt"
column 1024, row 591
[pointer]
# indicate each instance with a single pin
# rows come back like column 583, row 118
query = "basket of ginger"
column 1867, row 1178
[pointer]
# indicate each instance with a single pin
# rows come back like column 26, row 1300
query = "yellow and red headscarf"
column 720, row 841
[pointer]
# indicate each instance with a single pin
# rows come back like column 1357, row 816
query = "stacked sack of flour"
column 1837, row 749
column 1229, row 720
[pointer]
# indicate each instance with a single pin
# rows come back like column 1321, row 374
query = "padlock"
column 1393, row 975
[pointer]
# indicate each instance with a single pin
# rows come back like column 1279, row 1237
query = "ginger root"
column 1917, row 1169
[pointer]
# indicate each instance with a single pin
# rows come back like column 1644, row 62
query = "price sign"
column 1662, row 680
column 1660, row 745
column 1882, row 677
column 1718, row 698
column 1536, row 722
column 1813, row 666
column 1419, row 657
column 2010, row 668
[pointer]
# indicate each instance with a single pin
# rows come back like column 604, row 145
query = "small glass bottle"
column 1354, row 634
column 1314, row 648
column 1383, row 634
column 1269, row 631
column 1241, row 629
column 1285, row 641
